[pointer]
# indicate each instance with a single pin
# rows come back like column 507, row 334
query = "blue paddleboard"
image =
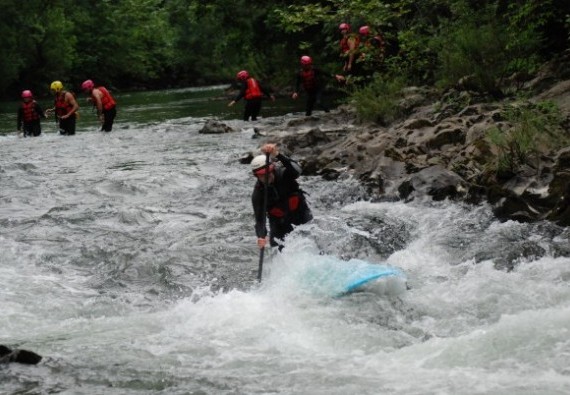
column 370, row 273
column 333, row 276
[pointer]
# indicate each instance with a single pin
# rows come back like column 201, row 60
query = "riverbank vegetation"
column 532, row 130
column 129, row 44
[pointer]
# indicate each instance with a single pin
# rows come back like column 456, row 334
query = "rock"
column 418, row 123
column 452, row 135
column 215, row 127
column 8, row 355
column 312, row 138
column 246, row 159
column 435, row 181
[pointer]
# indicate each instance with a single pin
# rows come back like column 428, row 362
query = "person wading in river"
column 286, row 203
column 29, row 115
column 65, row 108
column 103, row 102
column 313, row 81
column 253, row 92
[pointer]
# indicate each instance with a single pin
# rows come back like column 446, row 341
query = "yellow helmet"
column 56, row 86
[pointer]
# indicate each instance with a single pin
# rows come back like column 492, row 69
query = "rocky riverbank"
column 442, row 148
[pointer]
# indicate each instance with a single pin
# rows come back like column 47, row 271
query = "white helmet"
column 258, row 162
column 259, row 165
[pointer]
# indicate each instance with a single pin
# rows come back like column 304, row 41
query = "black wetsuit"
column 286, row 205
column 67, row 125
column 108, row 119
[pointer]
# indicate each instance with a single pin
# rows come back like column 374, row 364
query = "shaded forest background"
column 148, row 44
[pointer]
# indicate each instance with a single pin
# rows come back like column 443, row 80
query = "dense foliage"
column 159, row 43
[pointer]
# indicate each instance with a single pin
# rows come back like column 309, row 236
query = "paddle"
column 265, row 197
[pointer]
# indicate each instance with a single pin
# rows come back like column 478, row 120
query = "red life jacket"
column 292, row 206
column 61, row 106
column 345, row 47
column 107, row 100
column 309, row 80
column 253, row 91
column 30, row 113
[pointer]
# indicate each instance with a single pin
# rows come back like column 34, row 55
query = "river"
column 129, row 263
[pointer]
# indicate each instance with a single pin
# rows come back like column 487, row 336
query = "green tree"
column 11, row 58
column 37, row 44
column 129, row 43
column 133, row 41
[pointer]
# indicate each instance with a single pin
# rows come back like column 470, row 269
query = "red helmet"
column 306, row 60
column 87, row 85
column 26, row 94
column 364, row 30
column 344, row 26
column 242, row 75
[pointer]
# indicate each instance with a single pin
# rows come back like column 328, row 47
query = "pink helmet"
column 26, row 94
column 364, row 30
column 87, row 85
column 344, row 26
column 306, row 60
column 242, row 75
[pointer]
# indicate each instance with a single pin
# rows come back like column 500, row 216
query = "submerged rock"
column 215, row 127
column 8, row 355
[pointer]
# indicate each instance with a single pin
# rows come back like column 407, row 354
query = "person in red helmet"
column 29, row 115
column 286, row 204
column 372, row 46
column 313, row 81
column 349, row 43
column 103, row 102
column 253, row 92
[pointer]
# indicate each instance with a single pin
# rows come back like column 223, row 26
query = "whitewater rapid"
column 129, row 262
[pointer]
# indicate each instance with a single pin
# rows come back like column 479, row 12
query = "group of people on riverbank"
column 361, row 54
column 65, row 109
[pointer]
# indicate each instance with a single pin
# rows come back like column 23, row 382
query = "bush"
column 470, row 50
column 378, row 101
column 534, row 129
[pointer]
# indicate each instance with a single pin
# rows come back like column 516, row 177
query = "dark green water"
column 157, row 106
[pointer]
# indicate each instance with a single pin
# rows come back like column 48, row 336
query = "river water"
column 128, row 261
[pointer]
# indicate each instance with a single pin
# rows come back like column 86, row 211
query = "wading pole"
column 265, row 195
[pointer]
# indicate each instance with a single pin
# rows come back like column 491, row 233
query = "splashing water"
column 129, row 262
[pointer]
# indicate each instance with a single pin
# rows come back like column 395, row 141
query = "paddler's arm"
column 292, row 168
column 240, row 95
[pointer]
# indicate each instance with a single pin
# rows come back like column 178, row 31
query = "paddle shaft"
column 265, row 198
